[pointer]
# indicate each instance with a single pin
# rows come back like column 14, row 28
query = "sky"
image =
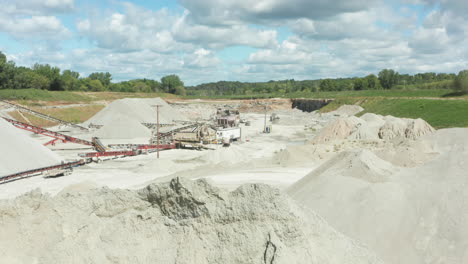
column 237, row 40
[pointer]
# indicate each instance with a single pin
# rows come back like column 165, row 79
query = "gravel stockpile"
column 373, row 127
column 176, row 222
column 123, row 127
column 407, row 216
column 142, row 110
column 19, row 152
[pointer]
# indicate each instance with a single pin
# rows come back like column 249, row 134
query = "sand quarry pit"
column 320, row 188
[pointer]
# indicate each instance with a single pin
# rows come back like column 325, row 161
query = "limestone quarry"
column 293, row 187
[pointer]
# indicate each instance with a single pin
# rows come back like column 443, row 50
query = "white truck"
column 229, row 134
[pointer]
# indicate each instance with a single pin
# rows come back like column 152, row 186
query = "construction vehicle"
column 231, row 133
column 227, row 118
column 195, row 137
column 274, row 118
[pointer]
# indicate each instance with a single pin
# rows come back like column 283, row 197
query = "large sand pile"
column 409, row 216
column 142, row 110
column 373, row 127
column 348, row 110
column 176, row 222
column 123, row 127
column 339, row 129
column 19, row 152
column 417, row 128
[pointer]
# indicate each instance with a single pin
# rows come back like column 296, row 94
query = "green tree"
column 180, row 90
column 69, row 80
column 7, row 72
column 96, row 86
column 327, row 85
column 360, row 84
column 171, row 82
column 373, row 82
column 51, row 73
column 461, row 82
column 388, row 78
column 25, row 78
column 3, row 59
column 104, row 77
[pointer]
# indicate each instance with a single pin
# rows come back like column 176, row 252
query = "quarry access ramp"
column 41, row 115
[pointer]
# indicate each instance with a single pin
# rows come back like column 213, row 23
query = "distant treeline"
column 46, row 77
column 386, row 79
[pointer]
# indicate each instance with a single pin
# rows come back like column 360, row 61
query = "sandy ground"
column 395, row 185
column 249, row 160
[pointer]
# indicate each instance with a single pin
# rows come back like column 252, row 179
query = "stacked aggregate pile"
column 176, row 222
column 417, row 128
column 339, row 129
column 368, row 128
column 142, row 110
column 19, row 152
column 373, row 127
column 408, row 216
column 347, row 110
column 393, row 128
column 123, row 127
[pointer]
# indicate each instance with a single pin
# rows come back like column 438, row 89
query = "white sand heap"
column 373, row 127
column 142, row 110
column 393, row 128
column 19, row 152
column 417, row 128
column 373, row 119
column 123, row 127
column 364, row 131
column 414, row 216
column 339, row 129
column 176, row 222
column 347, row 110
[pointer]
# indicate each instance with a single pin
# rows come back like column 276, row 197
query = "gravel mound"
column 347, row 110
column 373, row 127
column 142, row 110
column 176, row 222
column 339, row 129
column 393, row 128
column 19, row 152
column 412, row 216
column 417, row 128
column 123, row 127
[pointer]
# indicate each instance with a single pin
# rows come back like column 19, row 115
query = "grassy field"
column 34, row 97
column 384, row 93
column 345, row 94
column 441, row 108
column 77, row 114
column 438, row 113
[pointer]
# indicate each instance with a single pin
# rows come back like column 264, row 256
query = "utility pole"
column 157, row 129
column 265, row 125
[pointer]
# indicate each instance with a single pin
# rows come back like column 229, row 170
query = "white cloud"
column 38, row 7
column 42, row 27
column 219, row 37
column 133, row 30
column 201, row 58
column 230, row 12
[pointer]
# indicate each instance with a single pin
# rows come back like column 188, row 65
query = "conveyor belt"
column 41, row 115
